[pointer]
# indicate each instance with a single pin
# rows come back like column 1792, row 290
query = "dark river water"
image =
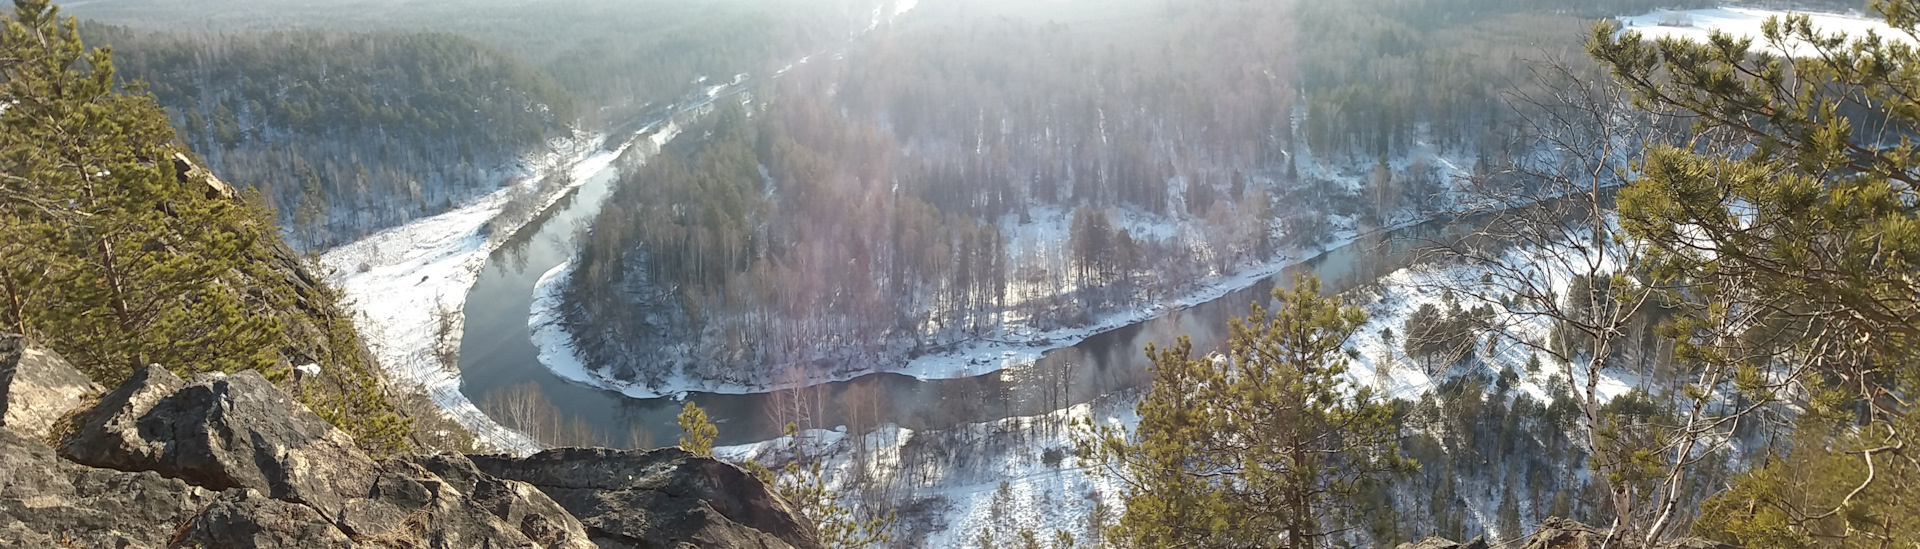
column 497, row 351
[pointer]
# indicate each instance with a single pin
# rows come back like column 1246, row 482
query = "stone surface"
column 519, row 506
column 234, row 431
column 286, row 478
column 37, row 387
column 44, row 499
column 1559, row 533
column 187, row 172
column 659, row 498
column 246, row 519
column 233, row 461
column 1444, row 543
column 109, row 436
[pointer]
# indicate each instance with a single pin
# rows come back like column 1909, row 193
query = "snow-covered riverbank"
column 974, row 357
column 552, row 339
column 1382, row 363
column 1015, row 344
column 408, row 285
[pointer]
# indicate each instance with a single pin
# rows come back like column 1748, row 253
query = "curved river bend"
column 497, row 351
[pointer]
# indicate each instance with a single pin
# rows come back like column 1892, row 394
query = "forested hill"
column 347, row 133
column 351, row 118
column 616, row 57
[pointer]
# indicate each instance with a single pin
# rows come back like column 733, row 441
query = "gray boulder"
column 658, row 498
column 410, row 500
column 109, row 434
column 220, row 432
column 518, row 505
column 37, row 387
column 233, row 461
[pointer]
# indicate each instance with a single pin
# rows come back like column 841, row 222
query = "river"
column 497, row 350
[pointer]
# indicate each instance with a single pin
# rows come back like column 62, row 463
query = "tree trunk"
column 16, row 306
column 116, row 285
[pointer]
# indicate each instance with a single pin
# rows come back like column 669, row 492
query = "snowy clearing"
column 1697, row 25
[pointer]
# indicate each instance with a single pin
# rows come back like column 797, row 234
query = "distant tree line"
column 347, row 133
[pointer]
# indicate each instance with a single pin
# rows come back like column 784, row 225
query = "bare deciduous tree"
column 1566, row 282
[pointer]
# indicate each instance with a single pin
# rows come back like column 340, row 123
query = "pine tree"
column 1790, row 226
column 1509, row 525
column 117, row 259
column 1255, row 447
column 134, row 256
column 1562, row 505
column 697, row 433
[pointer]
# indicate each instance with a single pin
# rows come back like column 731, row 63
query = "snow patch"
column 550, row 335
column 1698, row 25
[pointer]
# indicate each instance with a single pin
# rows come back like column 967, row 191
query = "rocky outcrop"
column 245, row 519
column 233, row 461
column 1559, row 533
column 189, row 173
column 37, row 388
column 1443, row 543
column 220, row 432
column 108, row 434
column 44, row 500
column 658, row 498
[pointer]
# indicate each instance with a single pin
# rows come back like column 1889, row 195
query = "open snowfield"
column 417, row 276
column 1697, row 25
